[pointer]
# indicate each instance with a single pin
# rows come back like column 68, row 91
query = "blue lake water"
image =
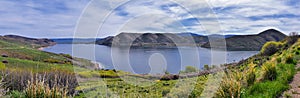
column 146, row 60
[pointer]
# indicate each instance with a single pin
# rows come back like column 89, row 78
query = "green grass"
column 109, row 87
column 271, row 89
column 268, row 89
column 14, row 63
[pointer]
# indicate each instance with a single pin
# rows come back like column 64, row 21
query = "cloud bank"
column 58, row 18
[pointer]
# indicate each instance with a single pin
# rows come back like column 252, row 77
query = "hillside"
column 23, row 64
column 264, row 75
column 29, row 42
column 250, row 42
column 26, row 49
column 233, row 42
column 153, row 39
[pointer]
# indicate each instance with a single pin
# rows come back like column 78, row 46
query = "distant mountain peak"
column 250, row 42
column 271, row 31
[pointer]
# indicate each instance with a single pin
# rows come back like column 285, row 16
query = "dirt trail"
column 294, row 91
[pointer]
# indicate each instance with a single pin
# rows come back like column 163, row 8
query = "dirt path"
column 294, row 91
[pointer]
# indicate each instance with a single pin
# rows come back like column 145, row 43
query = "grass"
column 35, row 66
column 23, row 52
column 114, row 86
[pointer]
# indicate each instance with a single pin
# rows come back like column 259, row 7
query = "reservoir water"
column 148, row 60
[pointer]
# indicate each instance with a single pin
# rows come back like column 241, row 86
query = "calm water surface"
column 145, row 60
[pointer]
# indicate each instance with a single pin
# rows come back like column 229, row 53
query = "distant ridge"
column 250, row 42
column 33, row 42
column 233, row 42
column 153, row 39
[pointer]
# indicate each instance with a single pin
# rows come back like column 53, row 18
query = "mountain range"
column 249, row 42
column 163, row 40
column 233, row 42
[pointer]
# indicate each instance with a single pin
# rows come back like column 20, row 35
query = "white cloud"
column 59, row 18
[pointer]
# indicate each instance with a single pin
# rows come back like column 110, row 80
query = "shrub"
column 270, row 48
column 167, row 77
column 206, row 67
column 85, row 74
column 17, row 94
column 107, row 74
column 51, row 61
column 278, row 59
column 67, row 56
column 2, row 66
column 269, row 71
column 250, row 74
column 231, row 86
column 297, row 53
column 189, row 69
column 290, row 59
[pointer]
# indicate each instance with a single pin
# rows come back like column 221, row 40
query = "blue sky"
column 59, row 18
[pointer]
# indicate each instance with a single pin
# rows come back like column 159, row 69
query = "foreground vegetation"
column 265, row 75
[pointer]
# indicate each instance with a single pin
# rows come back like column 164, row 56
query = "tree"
column 293, row 37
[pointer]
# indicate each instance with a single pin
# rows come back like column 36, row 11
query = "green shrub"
column 189, row 69
column 270, row 48
column 206, row 67
column 278, row 59
column 85, row 74
column 17, row 94
column 51, row 61
column 67, row 56
column 269, row 71
column 297, row 52
column 290, row 59
column 108, row 74
column 2, row 66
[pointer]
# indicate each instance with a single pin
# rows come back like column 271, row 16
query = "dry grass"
column 231, row 86
column 38, row 88
column 22, row 80
column 269, row 71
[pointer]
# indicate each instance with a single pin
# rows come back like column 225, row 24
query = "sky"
column 101, row 18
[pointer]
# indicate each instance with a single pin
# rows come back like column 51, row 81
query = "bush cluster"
column 270, row 48
column 290, row 59
column 269, row 71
